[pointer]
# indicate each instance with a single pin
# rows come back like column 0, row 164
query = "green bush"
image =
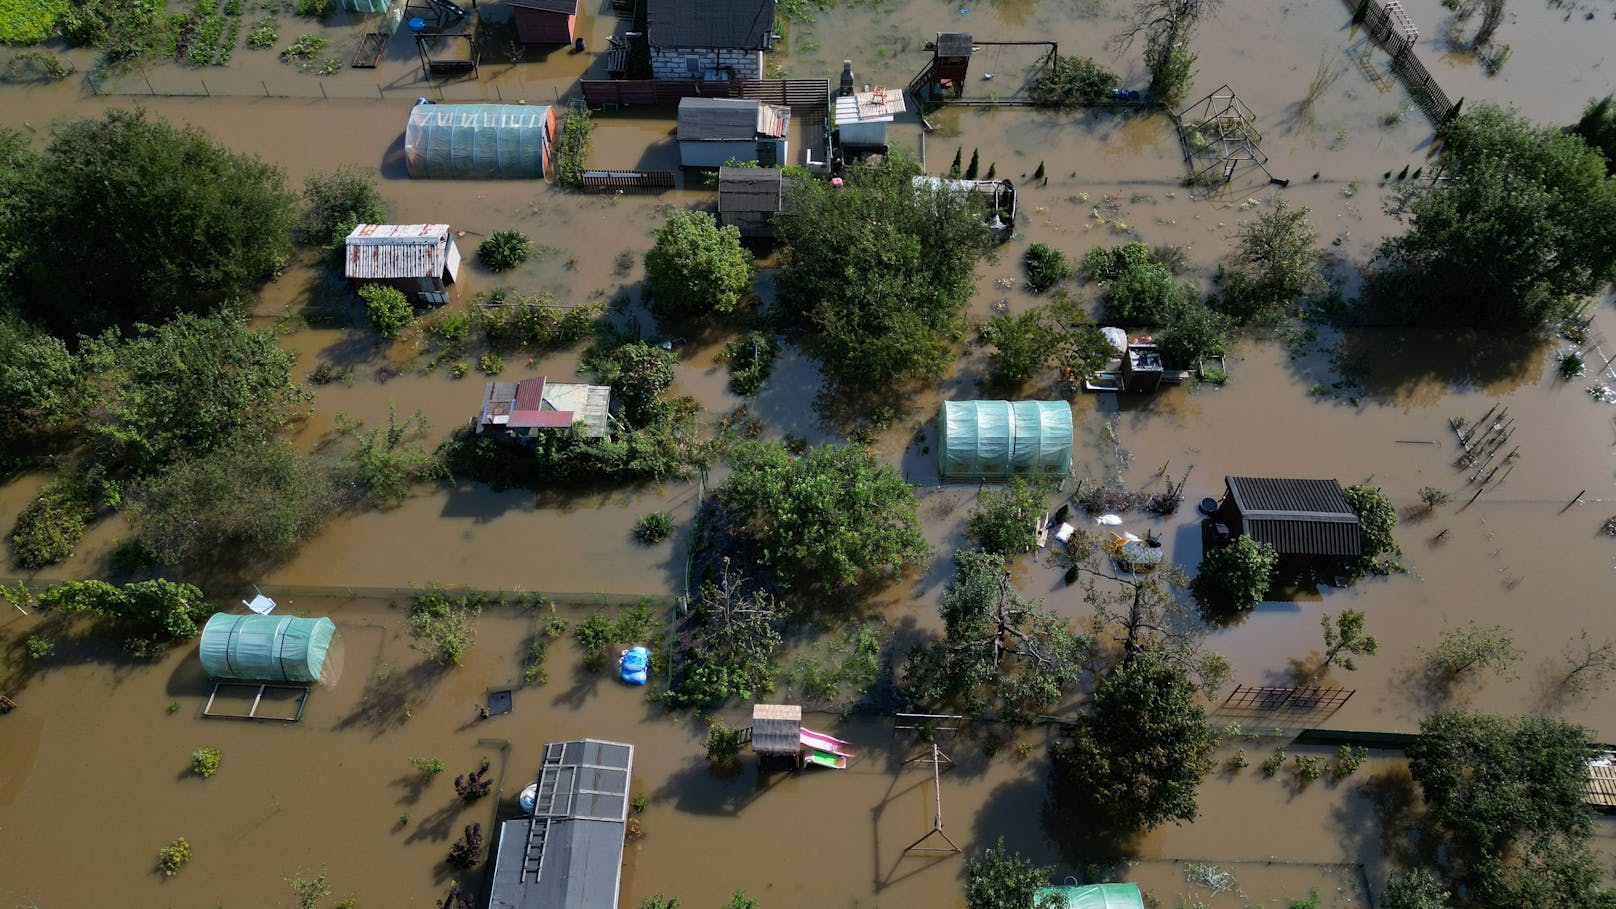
column 29, row 21
column 572, row 147
column 751, row 360
column 443, row 626
column 51, row 526
column 1071, row 82
column 316, row 9
column 696, row 268
column 503, row 250
column 654, row 527
column 205, row 762
column 490, row 363
column 37, row 66
column 1046, row 267
column 1379, row 553
column 171, row 858
column 1102, row 264
column 1003, row 519
column 387, row 308
column 723, row 743
column 428, row 767
column 335, row 203
column 1191, row 331
column 595, row 636
column 145, row 616
column 536, row 322
column 40, row 645
column 1144, row 294
column 1234, row 578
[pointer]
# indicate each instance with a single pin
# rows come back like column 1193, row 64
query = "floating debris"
column 1210, row 876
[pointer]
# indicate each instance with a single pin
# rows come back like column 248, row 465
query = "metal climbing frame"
column 1220, row 138
column 1303, row 697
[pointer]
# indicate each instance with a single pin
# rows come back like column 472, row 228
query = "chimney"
column 847, row 78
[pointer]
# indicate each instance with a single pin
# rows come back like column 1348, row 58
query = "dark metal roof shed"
column 700, row 24
column 953, row 44
column 776, row 728
column 569, row 854
column 1296, row 517
column 749, row 189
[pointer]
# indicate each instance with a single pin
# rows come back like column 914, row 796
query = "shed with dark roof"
column 569, row 853
column 749, row 198
column 545, row 21
column 1299, row 518
column 714, row 131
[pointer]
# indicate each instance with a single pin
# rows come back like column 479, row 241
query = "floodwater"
column 93, row 734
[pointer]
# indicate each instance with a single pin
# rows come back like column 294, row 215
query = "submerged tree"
column 1166, row 27
column 696, row 268
column 1597, row 127
column 1141, row 751
column 176, row 223
column 833, row 517
column 1001, row 654
column 1236, row 577
column 877, row 273
column 1507, row 797
column 1378, row 552
column 1345, row 639
column 734, row 635
column 1276, row 263
column 1523, row 222
column 1002, row 879
column 1148, row 614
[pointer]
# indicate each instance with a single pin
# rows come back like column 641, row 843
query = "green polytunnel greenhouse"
column 479, row 141
column 266, row 648
column 984, row 439
column 1092, row 896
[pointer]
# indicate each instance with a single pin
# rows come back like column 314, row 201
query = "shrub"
column 654, row 527
column 40, row 645
column 1309, row 768
column 205, row 762
column 1234, row 578
column 51, row 526
column 335, row 203
column 29, row 21
column 37, row 65
column 1003, row 519
column 1144, row 294
column 1191, row 331
column 388, row 309
column 1046, row 267
column 490, row 363
column 1102, row 264
column 572, row 148
column 595, row 636
column 696, row 268
column 468, row 850
column 751, row 360
column 504, row 249
column 723, row 743
column 1273, row 762
column 1379, row 552
column 444, row 626
column 145, row 615
column 171, row 858
column 314, row 9
column 1347, row 761
column 1072, row 82
column 428, row 767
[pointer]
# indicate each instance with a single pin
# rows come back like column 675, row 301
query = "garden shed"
column 545, row 21
column 715, row 131
column 418, row 260
column 266, row 648
column 749, row 198
column 1301, row 519
column 479, row 141
column 987, row 439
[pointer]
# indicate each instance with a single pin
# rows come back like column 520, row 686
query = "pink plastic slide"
column 821, row 742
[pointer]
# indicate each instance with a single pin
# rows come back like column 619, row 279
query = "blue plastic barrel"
column 417, row 24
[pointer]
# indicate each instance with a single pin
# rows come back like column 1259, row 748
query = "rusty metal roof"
column 1297, row 517
column 397, row 251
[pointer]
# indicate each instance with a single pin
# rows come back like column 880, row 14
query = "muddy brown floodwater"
column 93, row 766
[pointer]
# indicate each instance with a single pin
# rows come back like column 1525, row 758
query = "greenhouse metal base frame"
column 252, row 713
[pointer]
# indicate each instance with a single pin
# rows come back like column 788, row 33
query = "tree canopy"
column 41, row 382
column 1523, row 219
column 1234, row 578
column 834, row 516
column 1141, row 751
column 132, row 219
column 1001, row 653
column 186, row 388
column 1598, row 128
column 696, row 268
column 877, row 273
column 1276, row 262
column 335, row 203
column 1001, row 879
column 1507, row 795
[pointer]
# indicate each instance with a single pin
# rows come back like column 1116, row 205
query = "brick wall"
column 669, row 63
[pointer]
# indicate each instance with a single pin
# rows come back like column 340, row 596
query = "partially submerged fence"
column 793, row 93
column 1394, row 31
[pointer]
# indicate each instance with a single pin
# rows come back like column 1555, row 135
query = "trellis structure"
column 933, row 724
column 1220, row 138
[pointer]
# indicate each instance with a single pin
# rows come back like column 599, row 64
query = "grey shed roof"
column 953, row 44
column 569, row 854
column 708, row 119
column 749, row 189
column 697, row 24
column 776, row 728
column 1297, row 517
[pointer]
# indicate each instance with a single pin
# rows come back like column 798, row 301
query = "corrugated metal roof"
column 1297, row 517
column 396, row 251
column 728, row 119
column 540, row 404
column 877, row 106
column 697, row 24
column 565, row 7
column 749, row 189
